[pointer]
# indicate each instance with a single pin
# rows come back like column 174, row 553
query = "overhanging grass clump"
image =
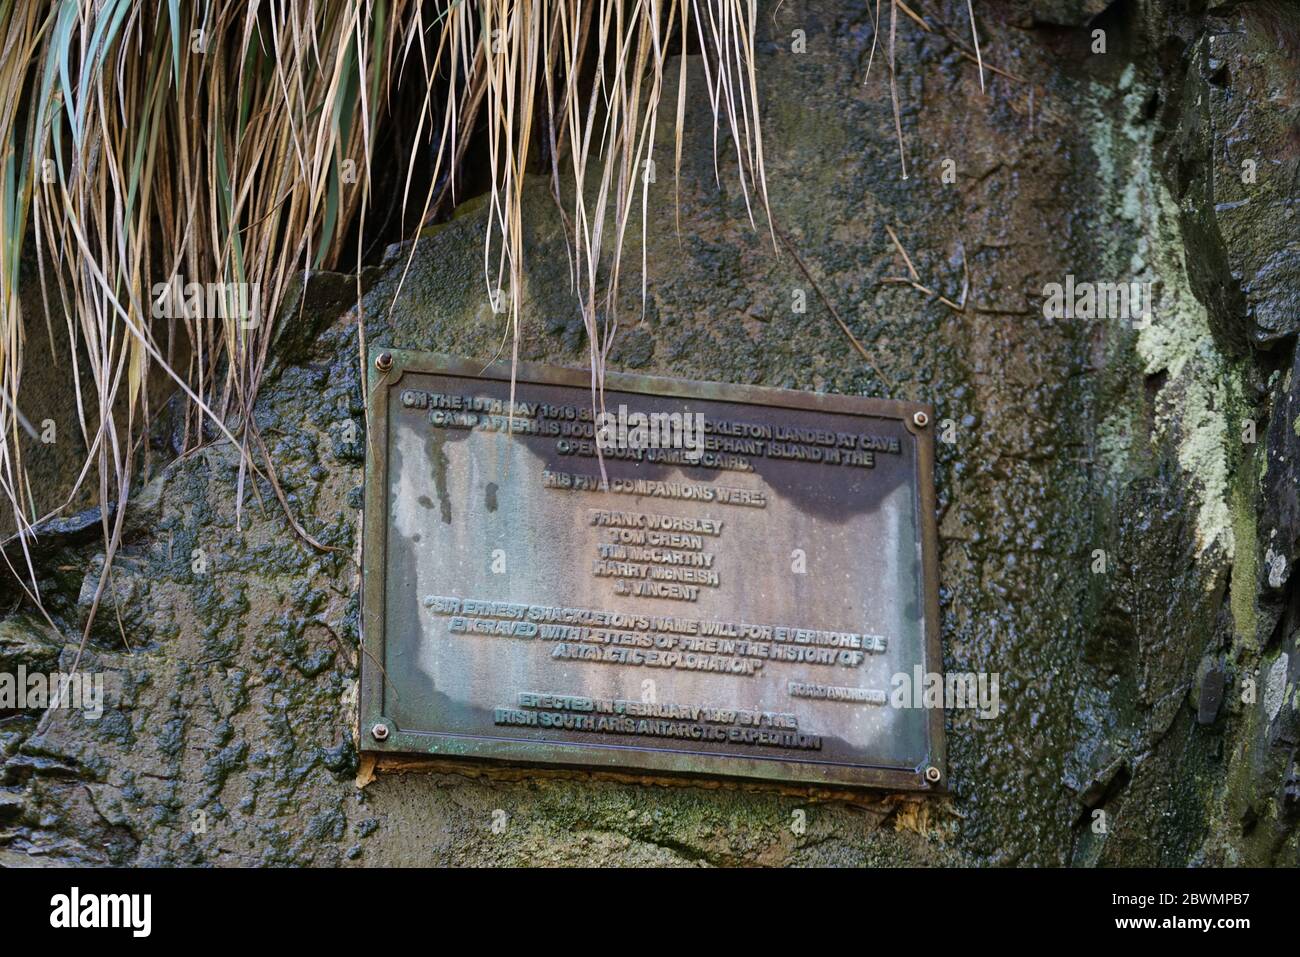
column 182, row 146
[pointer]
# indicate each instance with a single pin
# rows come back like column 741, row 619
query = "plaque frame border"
column 623, row 759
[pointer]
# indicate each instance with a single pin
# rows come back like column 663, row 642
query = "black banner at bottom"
column 919, row 907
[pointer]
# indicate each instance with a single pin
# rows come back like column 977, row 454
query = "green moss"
column 1245, row 572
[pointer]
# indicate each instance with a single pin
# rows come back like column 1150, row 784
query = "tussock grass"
column 592, row 73
column 148, row 140
column 225, row 142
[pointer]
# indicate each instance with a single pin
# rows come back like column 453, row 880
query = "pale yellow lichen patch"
column 1194, row 403
column 1203, row 432
column 1192, row 407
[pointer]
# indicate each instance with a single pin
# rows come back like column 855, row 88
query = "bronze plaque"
column 733, row 596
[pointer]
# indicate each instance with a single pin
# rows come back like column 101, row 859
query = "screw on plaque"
column 379, row 732
column 384, row 361
column 932, row 774
column 920, row 419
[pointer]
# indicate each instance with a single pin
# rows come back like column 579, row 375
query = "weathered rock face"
column 1118, row 500
column 1233, row 157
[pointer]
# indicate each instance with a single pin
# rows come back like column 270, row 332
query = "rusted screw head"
column 920, row 419
column 379, row 732
column 384, row 362
column 932, row 774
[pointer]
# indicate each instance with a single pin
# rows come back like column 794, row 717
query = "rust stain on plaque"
column 733, row 598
